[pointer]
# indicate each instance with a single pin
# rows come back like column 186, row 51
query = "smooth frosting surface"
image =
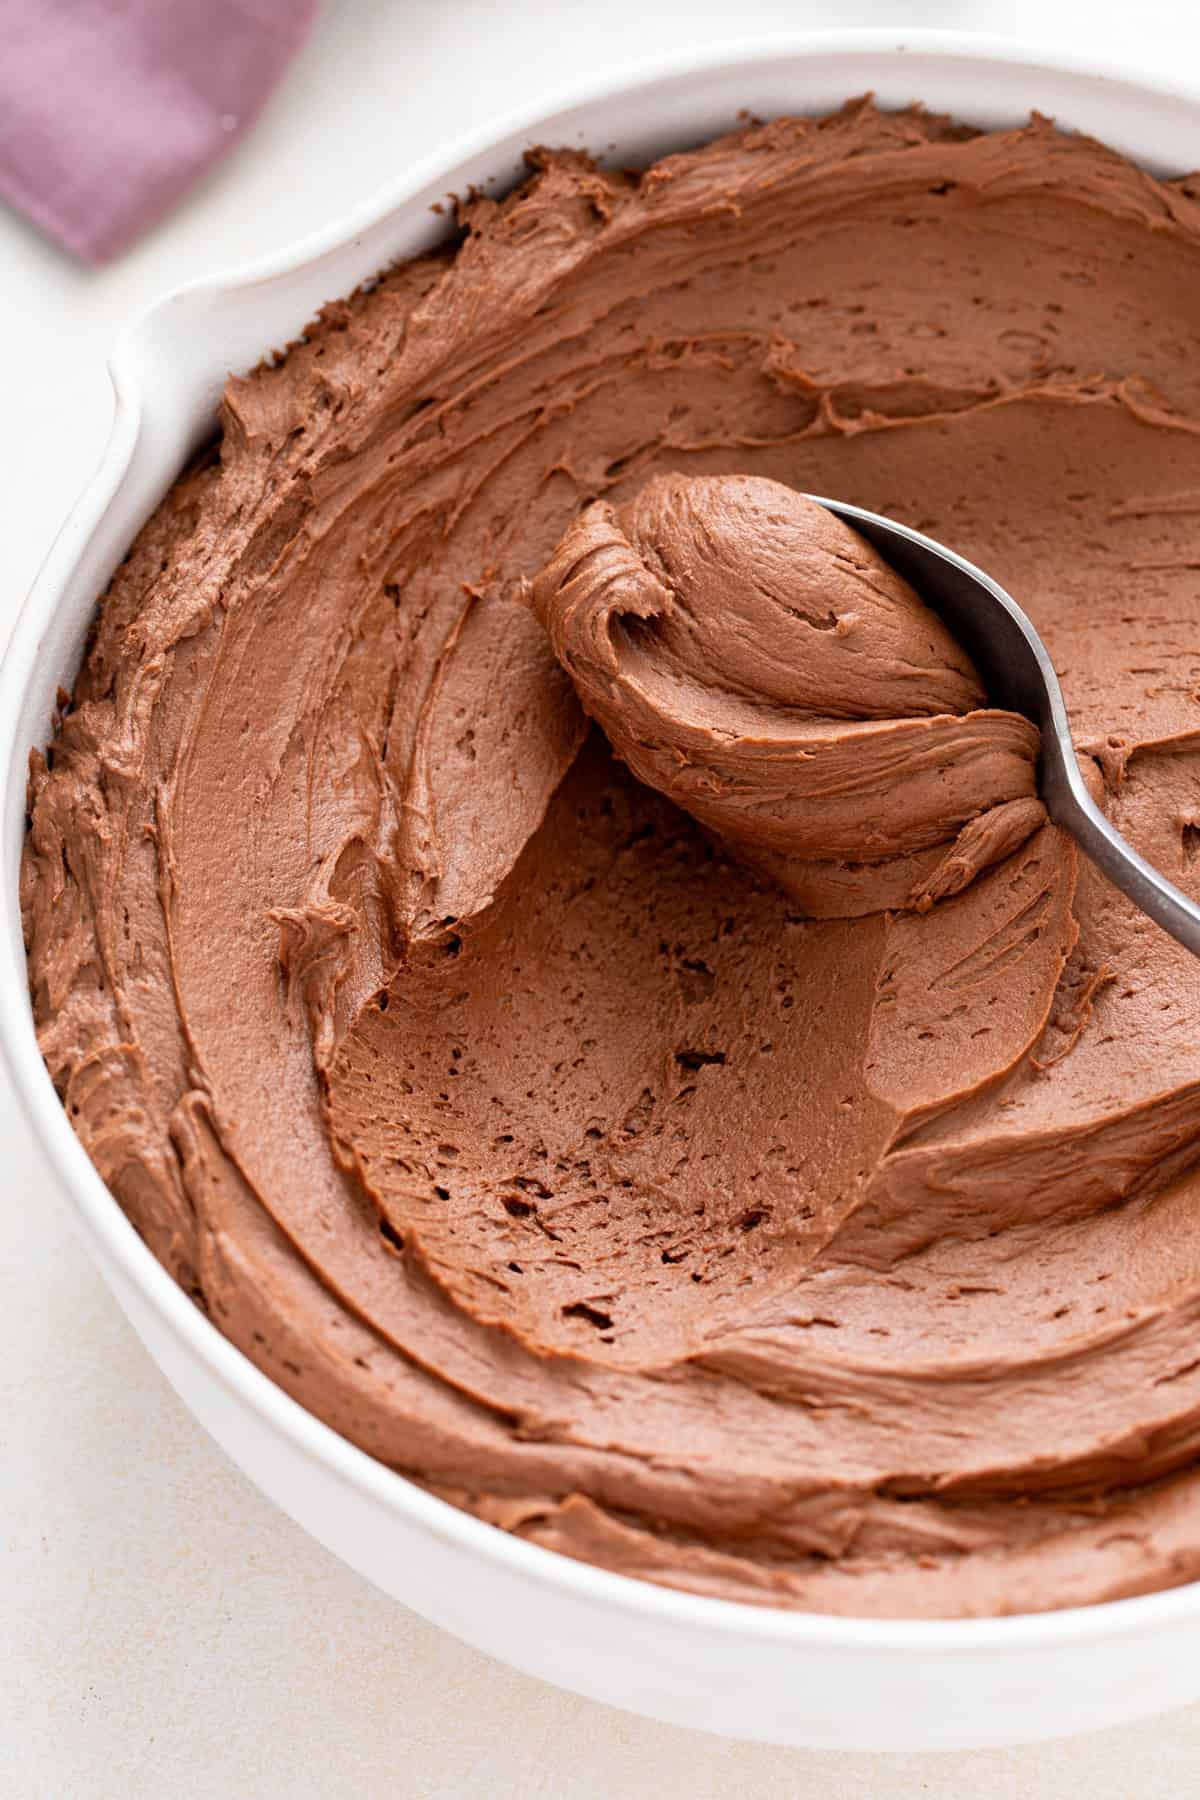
column 516, row 1126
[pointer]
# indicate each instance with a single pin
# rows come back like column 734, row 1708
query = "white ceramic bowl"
column 747, row 1671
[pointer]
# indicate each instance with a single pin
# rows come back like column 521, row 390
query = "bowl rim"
column 121, row 1250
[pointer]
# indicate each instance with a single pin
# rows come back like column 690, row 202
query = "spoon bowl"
column 1016, row 669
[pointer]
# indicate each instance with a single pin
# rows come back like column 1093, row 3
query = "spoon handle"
column 1071, row 806
column 1019, row 675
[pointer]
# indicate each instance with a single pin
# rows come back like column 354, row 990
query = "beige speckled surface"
column 163, row 1630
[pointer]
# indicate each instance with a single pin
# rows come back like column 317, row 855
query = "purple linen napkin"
column 109, row 109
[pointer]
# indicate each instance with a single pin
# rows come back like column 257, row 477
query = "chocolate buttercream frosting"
column 753, row 658
column 744, row 1150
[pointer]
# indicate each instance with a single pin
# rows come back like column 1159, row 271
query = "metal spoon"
column 1019, row 676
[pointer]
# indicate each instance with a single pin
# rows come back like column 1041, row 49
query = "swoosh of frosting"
column 753, row 658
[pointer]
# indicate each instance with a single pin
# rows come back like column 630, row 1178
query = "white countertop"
column 165, row 1634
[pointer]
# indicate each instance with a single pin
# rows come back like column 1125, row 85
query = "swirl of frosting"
column 758, row 662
